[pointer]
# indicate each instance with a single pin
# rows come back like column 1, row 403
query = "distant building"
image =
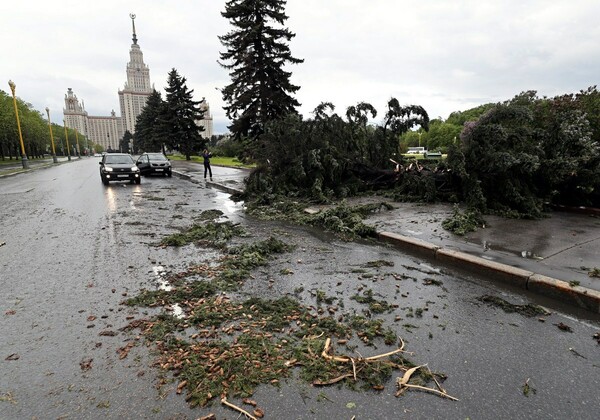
column 207, row 120
column 108, row 131
column 416, row 151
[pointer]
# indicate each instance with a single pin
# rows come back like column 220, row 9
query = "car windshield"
column 156, row 156
column 124, row 159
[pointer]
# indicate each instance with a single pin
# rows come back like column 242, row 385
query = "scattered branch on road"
column 235, row 407
column 528, row 310
column 403, row 384
column 528, row 388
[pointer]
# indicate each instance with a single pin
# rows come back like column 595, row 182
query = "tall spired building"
column 108, row 131
column 137, row 89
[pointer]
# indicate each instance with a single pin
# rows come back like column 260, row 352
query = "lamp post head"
column 12, row 86
column 47, row 110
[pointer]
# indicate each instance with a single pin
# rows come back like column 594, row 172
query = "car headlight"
column 135, row 168
column 108, row 169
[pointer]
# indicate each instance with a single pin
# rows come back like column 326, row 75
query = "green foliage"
column 327, row 157
column 375, row 306
column 34, row 129
column 124, row 143
column 177, row 121
column 529, row 151
column 148, row 131
column 440, row 137
column 462, row 223
column 257, row 52
column 498, row 162
column 459, row 118
column 567, row 128
column 210, row 233
column 344, row 220
column 528, row 310
column 239, row 262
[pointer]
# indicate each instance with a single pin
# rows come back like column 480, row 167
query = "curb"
column 543, row 285
column 223, row 187
column 226, row 188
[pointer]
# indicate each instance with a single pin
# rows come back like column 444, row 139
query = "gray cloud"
column 445, row 56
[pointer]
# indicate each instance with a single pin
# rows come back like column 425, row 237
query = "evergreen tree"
column 125, row 142
column 148, row 134
column 260, row 90
column 178, row 120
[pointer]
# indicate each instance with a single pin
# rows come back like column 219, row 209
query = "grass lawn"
column 216, row 160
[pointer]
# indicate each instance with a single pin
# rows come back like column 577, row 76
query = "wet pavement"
column 74, row 249
column 564, row 246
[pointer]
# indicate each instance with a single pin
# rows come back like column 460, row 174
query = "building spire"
column 132, row 16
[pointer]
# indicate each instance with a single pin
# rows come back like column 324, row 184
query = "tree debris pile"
column 211, row 233
column 328, row 156
column 344, row 220
column 526, row 310
column 222, row 347
column 461, row 223
column 237, row 346
column 514, row 159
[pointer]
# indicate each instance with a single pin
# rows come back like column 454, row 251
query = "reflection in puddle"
column 230, row 206
column 531, row 255
column 160, row 272
column 430, row 268
column 177, row 311
column 112, row 200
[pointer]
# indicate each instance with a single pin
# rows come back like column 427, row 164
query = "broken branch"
column 235, row 407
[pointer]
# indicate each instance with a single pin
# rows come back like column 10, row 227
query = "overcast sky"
column 445, row 55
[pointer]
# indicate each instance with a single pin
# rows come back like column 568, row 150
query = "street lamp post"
column 24, row 160
column 67, row 138
column 108, row 141
column 54, row 159
column 78, row 149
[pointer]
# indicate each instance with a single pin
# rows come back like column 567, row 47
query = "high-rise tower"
column 109, row 131
column 134, row 95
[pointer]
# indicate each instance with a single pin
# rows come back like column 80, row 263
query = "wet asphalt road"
column 74, row 249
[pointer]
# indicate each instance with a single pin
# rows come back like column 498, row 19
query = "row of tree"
column 35, row 132
column 170, row 123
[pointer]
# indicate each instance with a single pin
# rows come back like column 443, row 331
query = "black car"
column 119, row 167
column 154, row 163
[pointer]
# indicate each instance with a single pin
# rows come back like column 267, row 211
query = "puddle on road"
column 530, row 255
column 430, row 268
column 177, row 311
column 228, row 204
column 160, row 272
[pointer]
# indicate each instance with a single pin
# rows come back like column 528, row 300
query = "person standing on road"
column 207, row 155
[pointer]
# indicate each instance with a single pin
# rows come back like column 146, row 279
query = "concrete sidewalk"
column 227, row 179
column 15, row 167
column 552, row 256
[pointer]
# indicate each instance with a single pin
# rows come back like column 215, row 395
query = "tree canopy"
column 148, row 135
column 529, row 151
column 257, row 52
column 178, row 119
column 327, row 156
column 34, row 129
